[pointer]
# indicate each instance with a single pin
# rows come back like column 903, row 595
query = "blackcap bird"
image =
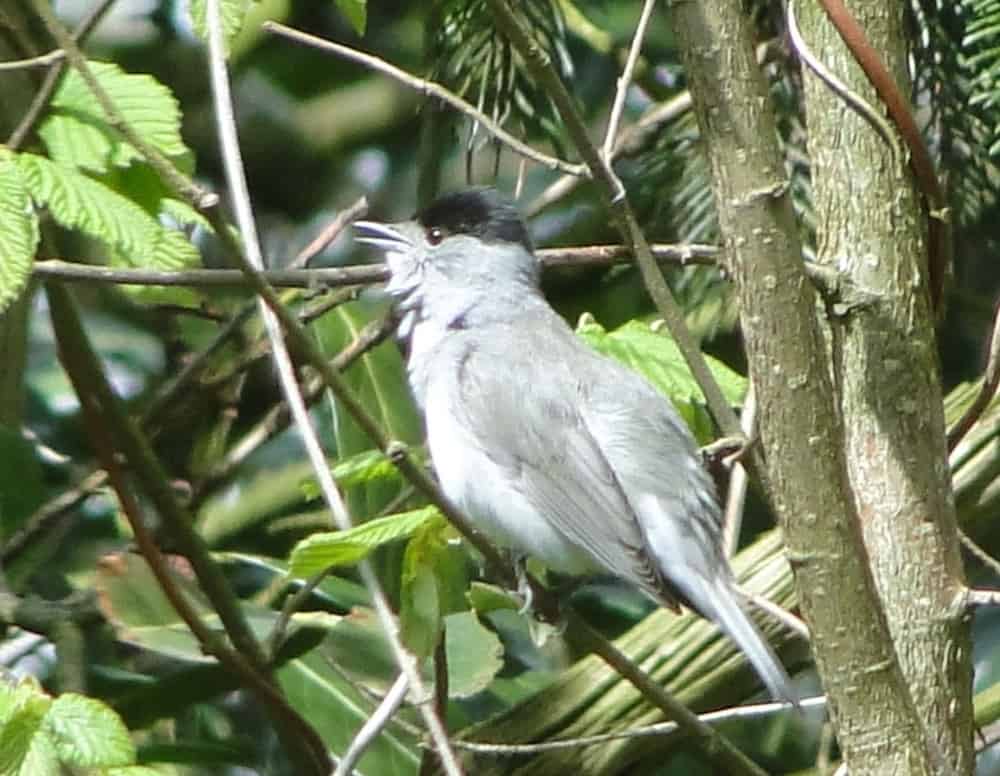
column 548, row 447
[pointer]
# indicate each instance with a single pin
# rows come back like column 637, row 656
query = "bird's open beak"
column 384, row 236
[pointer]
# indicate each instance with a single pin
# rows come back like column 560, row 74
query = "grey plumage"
column 549, row 447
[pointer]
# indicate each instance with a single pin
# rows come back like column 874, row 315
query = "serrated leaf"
column 233, row 12
column 88, row 734
column 18, row 231
column 79, row 202
column 341, row 548
column 76, row 131
column 656, row 356
column 356, row 12
column 24, row 745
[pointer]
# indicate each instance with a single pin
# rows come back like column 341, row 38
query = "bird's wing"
column 536, row 435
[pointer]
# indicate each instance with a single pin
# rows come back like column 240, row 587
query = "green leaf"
column 88, row 734
column 133, row 602
column 76, row 131
column 18, row 231
column 356, row 12
column 234, row 14
column 316, row 687
column 79, row 202
column 379, row 379
column 475, row 655
column 341, row 548
column 333, row 591
column 359, row 469
column 420, row 615
column 22, row 738
column 656, row 357
column 486, row 598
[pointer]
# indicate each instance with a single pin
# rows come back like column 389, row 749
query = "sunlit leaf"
column 656, row 356
column 18, row 231
column 87, row 733
column 79, row 202
column 76, row 130
column 339, row 548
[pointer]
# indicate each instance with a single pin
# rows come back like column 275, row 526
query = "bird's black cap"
column 483, row 213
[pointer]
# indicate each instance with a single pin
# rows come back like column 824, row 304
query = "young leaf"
column 87, row 733
column 343, row 548
column 79, row 202
column 359, row 469
column 21, row 736
column 76, row 131
column 18, row 231
column 657, row 358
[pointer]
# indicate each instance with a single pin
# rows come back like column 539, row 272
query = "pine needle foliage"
column 475, row 60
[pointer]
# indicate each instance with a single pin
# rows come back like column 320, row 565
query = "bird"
column 549, row 448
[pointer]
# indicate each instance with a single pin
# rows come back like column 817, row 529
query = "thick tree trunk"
column 872, row 228
column 801, row 431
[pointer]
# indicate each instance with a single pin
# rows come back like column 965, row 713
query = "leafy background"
column 316, row 134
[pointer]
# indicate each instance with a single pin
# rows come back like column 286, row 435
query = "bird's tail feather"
column 719, row 602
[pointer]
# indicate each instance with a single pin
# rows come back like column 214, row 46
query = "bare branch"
column 252, row 263
column 374, row 725
column 659, row 729
column 430, row 89
column 616, row 202
column 987, row 389
column 357, row 275
column 625, row 81
column 48, row 87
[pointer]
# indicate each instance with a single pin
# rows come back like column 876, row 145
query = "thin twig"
column 430, row 89
column 373, row 726
column 48, row 87
column 732, row 519
column 716, row 745
column 43, row 60
column 623, row 217
column 252, row 263
column 111, row 430
column 167, row 170
column 657, row 729
column 358, row 275
column 786, row 618
column 978, row 597
column 277, row 418
column 330, row 233
column 987, row 388
column 625, row 81
column 857, row 103
column 979, row 553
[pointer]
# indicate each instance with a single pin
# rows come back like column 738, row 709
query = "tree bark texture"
column 801, row 431
column 872, row 228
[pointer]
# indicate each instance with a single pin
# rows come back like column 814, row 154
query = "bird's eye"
column 435, row 235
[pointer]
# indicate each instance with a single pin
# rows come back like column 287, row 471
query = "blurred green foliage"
column 316, row 134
